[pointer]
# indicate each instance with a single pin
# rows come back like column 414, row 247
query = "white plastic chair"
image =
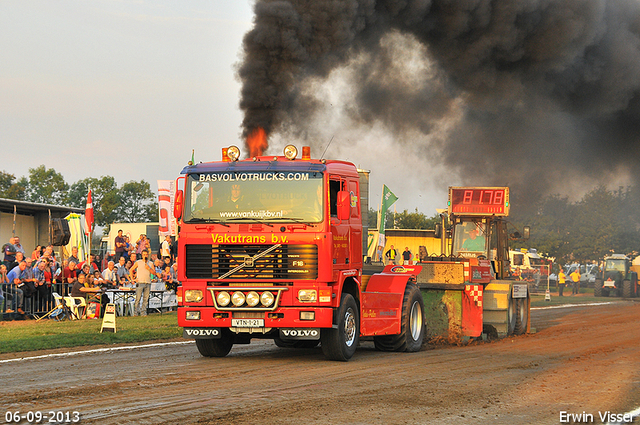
column 58, row 311
column 75, row 307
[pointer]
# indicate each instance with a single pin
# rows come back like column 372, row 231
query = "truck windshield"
column 536, row 261
column 254, row 197
column 617, row 265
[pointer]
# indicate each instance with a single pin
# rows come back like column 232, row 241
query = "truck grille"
column 285, row 262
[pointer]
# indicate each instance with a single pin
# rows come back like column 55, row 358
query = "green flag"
column 388, row 199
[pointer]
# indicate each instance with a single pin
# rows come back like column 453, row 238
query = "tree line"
column 130, row 203
column 600, row 223
column 404, row 220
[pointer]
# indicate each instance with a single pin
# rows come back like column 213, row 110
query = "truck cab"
column 525, row 260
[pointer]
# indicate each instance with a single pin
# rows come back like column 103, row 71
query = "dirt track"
column 580, row 359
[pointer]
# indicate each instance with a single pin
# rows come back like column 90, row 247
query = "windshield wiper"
column 204, row 220
column 294, row 219
column 249, row 219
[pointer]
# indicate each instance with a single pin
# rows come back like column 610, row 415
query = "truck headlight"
column 193, row 295
column 267, row 298
column 223, row 298
column 253, row 299
column 237, row 298
column 307, row 295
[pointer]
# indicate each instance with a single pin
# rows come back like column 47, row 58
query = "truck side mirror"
column 344, row 206
column 177, row 205
column 526, row 232
column 438, row 232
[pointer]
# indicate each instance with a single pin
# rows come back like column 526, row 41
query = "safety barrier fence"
column 537, row 278
column 33, row 305
column 41, row 302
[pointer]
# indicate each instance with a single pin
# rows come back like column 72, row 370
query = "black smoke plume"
column 529, row 91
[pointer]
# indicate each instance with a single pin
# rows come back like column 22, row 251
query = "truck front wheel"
column 215, row 347
column 413, row 325
column 626, row 289
column 340, row 343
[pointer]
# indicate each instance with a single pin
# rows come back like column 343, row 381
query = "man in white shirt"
column 165, row 248
column 110, row 274
column 145, row 269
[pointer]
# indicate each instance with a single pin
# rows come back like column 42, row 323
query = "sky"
column 129, row 88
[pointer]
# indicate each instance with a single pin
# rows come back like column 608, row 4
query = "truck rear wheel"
column 215, row 347
column 341, row 343
column 597, row 288
column 413, row 327
column 522, row 316
column 626, row 289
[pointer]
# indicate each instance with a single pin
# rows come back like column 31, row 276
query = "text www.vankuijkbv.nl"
column 261, row 214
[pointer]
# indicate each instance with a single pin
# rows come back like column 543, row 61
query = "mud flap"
column 201, row 333
column 300, row 334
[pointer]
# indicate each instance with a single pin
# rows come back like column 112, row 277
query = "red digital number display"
column 479, row 200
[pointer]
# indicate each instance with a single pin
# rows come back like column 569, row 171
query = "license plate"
column 247, row 323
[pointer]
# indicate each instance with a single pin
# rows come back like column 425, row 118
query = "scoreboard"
column 480, row 201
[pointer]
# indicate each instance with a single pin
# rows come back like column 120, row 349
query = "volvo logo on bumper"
column 309, row 334
column 201, row 333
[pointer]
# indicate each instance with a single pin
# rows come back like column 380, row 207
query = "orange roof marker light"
column 306, row 153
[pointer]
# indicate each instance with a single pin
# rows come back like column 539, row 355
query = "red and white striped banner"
column 166, row 194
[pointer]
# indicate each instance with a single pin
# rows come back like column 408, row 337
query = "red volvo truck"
column 271, row 247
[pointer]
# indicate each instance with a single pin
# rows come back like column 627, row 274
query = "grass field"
column 29, row 335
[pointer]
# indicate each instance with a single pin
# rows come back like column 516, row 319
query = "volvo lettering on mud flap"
column 201, row 333
column 306, row 334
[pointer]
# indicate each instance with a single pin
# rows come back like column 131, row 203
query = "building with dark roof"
column 30, row 221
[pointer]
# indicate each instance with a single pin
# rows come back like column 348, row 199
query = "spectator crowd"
column 27, row 282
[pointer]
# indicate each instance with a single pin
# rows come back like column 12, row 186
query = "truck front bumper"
column 255, row 322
